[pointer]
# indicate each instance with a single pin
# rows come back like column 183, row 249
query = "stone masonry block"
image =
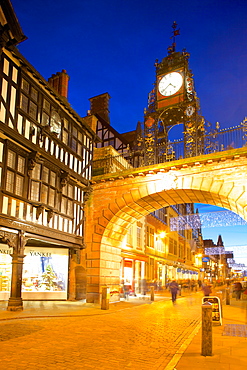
column 196, row 183
column 121, row 203
column 135, row 193
column 206, row 183
column 108, row 214
column 187, row 182
column 113, row 208
column 143, row 191
column 89, row 264
column 98, row 229
column 95, row 247
column 93, row 271
column 128, row 198
column 95, row 263
column 226, row 189
column 93, row 255
column 183, row 194
column 216, row 186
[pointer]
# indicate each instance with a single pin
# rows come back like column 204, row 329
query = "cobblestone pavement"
column 139, row 337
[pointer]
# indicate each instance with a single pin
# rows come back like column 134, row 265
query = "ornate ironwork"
column 244, row 125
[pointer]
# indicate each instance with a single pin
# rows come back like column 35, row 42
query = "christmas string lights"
column 206, row 220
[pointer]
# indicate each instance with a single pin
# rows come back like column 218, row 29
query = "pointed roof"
column 220, row 241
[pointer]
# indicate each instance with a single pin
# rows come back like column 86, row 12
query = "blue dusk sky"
column 111, row 46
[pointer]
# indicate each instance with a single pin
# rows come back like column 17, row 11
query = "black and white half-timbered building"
column 46, row 153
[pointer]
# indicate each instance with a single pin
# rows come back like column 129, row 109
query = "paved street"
column 140, row 337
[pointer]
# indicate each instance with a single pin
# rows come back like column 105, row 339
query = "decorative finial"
column 175, row 32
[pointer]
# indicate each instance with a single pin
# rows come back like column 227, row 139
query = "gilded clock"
column 170, row 83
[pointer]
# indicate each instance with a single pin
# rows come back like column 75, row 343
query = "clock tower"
column 173, row 101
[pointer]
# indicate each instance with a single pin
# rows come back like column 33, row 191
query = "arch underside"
column 120, row 200
column 120, row 222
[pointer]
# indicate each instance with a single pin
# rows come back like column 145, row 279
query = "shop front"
column 45, row 273
column 133, row 272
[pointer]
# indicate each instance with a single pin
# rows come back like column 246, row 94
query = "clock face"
column 170, row 83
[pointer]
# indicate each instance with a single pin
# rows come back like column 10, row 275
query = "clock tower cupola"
column 172, row 101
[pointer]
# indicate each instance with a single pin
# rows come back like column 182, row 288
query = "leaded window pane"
column 36, row 172
column 51, row 200
column 73, row 144
column 25, row 86
column 45, row 119
column 46, row 105
column 45, row 174
column 53, row 177
column 70, row 191
column 24, row 103
column 74, row 131
column 79, row 149
column 65, row 137
column 64, row 190
column 70, row 208
column 63, row 205
column 11, row 159
column 19, row 185
column 66, row 123
column 34, row 94
column 35, row 189
column 10, row 181
column 33, row 110
column 21, row 164
column 44, row 194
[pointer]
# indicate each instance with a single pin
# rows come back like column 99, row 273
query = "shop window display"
column 5, row 271
column 45, row 273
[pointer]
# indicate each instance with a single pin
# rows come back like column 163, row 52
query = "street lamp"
column 162, row 234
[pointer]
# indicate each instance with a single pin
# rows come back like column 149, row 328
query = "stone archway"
column 117, row 199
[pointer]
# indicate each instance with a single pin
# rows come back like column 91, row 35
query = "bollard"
column 152, row 293
column 227, row 296
column 105, row 298
column 206, row 329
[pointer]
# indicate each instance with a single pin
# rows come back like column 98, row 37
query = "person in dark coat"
column 174, row 288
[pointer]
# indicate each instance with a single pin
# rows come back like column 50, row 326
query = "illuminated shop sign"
column 6, row 251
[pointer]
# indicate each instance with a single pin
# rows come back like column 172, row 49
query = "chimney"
column 100, row 106
column 60, row 82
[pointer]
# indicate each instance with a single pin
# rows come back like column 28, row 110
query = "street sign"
column 205, row 259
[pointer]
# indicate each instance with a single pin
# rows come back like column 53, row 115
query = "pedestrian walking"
column 174, row 288
column 126, row 291
column 206, row 288
column 238, row 290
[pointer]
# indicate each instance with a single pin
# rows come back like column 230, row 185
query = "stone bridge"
column 119, row 199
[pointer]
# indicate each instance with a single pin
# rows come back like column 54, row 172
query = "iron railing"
column 214, row 140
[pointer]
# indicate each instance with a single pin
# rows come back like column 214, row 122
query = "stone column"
column 17, row 242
